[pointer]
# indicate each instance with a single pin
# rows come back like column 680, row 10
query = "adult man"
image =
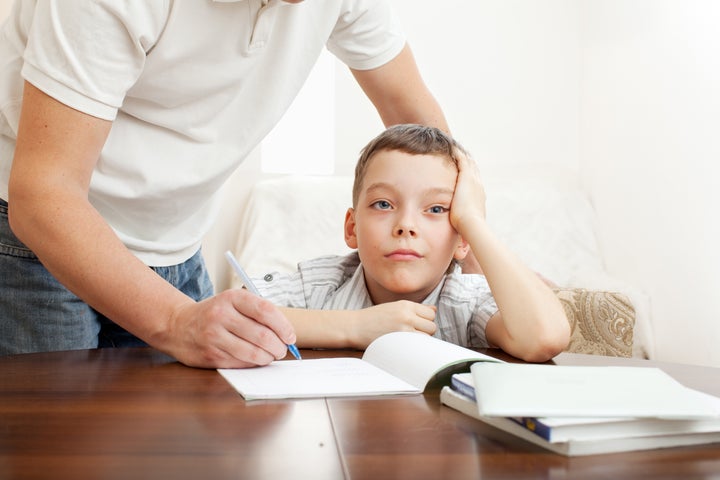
column 120, row 121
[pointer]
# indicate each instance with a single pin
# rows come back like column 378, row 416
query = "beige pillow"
column 602, row 322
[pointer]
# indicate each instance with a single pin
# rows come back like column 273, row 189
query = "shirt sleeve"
column 87, row 54
column 311, row 285
column 283, row 290
column 479, row 320
column 367, row 34
column 464, row 308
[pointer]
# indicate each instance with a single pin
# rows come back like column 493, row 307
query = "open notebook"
column 395, row 363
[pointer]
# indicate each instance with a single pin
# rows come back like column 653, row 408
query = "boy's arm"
column 531, row 323
column 358, row 328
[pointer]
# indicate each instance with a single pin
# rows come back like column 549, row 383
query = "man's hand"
column 234, row 329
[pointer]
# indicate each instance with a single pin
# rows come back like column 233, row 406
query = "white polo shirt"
column 192, row 87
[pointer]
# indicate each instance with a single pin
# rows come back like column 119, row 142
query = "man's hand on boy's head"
column 468, row 203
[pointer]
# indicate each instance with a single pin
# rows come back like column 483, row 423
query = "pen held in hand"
column 253, row 289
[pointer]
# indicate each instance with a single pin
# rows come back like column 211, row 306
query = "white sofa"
column 542, row 216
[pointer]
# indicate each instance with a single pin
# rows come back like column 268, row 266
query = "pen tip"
column 295, row 352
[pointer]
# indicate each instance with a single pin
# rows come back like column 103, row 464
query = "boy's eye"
column 437, row 209
column 381, row 205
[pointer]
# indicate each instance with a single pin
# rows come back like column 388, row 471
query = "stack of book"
column 577, row 411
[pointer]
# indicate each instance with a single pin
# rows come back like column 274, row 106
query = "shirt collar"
column 351, row 295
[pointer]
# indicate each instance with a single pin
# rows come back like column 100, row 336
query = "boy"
column 418, row 208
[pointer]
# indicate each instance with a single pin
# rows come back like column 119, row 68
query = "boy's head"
column 400, row 220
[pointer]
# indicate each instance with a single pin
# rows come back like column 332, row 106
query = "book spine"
column 463, row 388
column 530, row 423
column 535, row 426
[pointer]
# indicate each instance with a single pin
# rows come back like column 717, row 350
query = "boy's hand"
column 468, row 203
column 399, row 316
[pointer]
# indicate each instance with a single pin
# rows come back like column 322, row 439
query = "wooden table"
column 136, row 413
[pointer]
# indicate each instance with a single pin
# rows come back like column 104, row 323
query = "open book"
column 396, row 363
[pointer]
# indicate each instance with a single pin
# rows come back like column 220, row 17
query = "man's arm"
column 399, row 93
column 57, row 149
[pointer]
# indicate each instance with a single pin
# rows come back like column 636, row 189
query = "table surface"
column 136, row 413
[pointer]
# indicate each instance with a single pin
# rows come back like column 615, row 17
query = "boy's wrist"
column 353, row 329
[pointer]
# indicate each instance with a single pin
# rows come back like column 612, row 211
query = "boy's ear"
column 462, row 249
column 350, row 237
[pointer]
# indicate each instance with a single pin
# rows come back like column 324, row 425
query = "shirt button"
column 268, row 277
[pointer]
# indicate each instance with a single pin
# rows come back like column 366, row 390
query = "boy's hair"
column 407, row 138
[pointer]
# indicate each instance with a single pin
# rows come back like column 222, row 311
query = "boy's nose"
column 405, row 229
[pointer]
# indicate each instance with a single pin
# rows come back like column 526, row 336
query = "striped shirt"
column 464, row 301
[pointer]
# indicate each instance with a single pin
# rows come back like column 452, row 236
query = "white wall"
column 505, row 71
column 650, row 148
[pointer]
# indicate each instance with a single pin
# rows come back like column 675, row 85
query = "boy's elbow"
column 545, row 351
column 549, row 343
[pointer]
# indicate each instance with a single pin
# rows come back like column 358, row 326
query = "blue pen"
column 253, row 289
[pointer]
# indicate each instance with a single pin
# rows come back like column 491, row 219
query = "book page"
column 323, row 377
column 417, row 357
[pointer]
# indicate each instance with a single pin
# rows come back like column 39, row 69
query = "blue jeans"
column 37, row 313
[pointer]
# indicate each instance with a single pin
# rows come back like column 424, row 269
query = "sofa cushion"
column 601, row 322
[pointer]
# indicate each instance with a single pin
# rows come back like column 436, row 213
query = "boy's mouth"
column 403, row 254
